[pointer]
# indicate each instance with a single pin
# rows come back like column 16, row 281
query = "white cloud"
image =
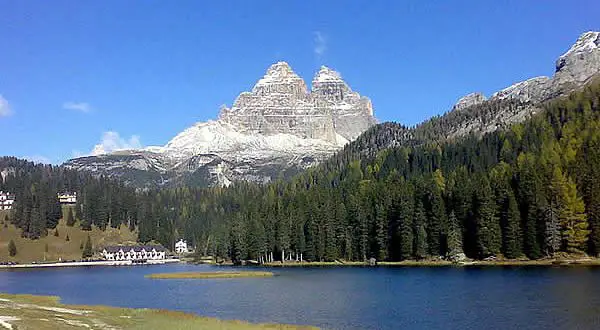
column 77, row 106
column 5, row 109
column 320, row 44
column 112, row 141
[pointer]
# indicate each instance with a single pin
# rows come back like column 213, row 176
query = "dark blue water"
column 343, row 298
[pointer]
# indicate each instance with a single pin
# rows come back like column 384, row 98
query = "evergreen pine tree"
column 455, row 244
column 552, row 222
column 381, row 224
column 589, row 176
column 488, row 234
column 406, row 219
column 512, row 229
column 436, row 222
column 529, row 196
column 12, row 248
column 87, row 249
column 70, row 218
column 420, row 232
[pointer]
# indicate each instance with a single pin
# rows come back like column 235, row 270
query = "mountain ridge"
column 329, row 113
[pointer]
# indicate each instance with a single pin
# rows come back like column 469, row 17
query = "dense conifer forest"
column 101, row 202
column 530, row 190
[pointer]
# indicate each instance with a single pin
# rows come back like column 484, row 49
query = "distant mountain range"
column 281, row 126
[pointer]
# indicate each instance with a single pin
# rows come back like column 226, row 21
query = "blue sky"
column 75, row 73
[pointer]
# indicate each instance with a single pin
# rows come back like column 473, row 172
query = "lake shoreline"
column 89, row 264
column 47, row 312
column 582, row 262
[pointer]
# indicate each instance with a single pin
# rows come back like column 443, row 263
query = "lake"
column 342, row 298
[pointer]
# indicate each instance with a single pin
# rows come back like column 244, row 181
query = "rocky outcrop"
column 280, row 126
column 576, row 67
column 579, row 64
column 352, row 114
column 469, row 100
column 531, row 90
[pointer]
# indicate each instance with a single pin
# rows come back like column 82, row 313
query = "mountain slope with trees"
column 527, row 191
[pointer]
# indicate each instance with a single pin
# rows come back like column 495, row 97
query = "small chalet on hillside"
column 67, row 198
column 6, row 200
column 134, row 253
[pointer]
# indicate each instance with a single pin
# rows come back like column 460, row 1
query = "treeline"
column 530, row 191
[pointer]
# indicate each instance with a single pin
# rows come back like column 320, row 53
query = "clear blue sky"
column 72, row 70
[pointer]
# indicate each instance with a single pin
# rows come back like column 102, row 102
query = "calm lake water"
column 342, row 298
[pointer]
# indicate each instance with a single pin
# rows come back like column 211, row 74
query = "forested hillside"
column 101, row 202
column 531, row 190
column 476, row 119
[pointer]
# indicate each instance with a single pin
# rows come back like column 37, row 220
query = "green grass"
column 29, row 250
column 47, row 313
column 209, row 275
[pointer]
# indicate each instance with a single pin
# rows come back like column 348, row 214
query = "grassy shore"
column 52, row 248
column 43, row 312
column 209, row 275
column 446, row 263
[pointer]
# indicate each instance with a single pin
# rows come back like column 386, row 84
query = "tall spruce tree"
column 488, row 234
column 420, row 231
column 70, row 217
column 512, row 229
column 88, row 251
column 12, row 248
column 455, row 244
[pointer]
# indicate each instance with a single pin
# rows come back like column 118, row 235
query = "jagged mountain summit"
column 280, row 126
column 573, row 69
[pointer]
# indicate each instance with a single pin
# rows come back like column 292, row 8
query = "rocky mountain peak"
column 329, row 84
column 579, row 64
column 279, row 70
column 586, row 43
column 326, row 74
column 573, row 69
column 280, row 78
column 469, row 100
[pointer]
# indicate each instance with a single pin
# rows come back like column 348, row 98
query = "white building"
column 181, row 247
column 134, row 253
column 67, row 198
column 6, row 200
